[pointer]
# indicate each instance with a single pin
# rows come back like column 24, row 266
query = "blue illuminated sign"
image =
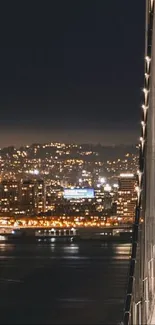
column 78, row 193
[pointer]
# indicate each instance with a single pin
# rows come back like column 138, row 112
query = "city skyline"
column 71, row 72
column 58, row 180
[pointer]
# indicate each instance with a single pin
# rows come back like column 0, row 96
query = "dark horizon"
column 23, row 138
column 72, row 70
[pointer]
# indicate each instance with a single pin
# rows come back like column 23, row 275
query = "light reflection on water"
column 66, row 257
column 72, row 249
column 123, row 249
column 64, row 251
column 66, row 283
column 6, row 247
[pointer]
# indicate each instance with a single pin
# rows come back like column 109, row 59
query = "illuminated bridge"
column 140, row 298
column 121, row 232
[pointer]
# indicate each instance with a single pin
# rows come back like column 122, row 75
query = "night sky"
column 71, row 70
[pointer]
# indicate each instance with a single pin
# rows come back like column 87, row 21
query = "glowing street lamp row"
column 145, row 107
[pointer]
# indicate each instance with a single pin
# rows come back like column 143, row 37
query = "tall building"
column 127, row 195
column 9, row 196
column 32, row 197
column 40, row 196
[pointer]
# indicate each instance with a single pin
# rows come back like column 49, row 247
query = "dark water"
column 80, row 283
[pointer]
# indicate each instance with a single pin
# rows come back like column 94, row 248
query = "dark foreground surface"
column 64, row 283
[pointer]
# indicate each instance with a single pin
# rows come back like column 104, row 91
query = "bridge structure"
column 140, row 297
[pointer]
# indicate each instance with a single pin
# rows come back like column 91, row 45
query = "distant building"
column 32, row 197
column 9, row 196
column 127, row 195
column 27, row 197
column 40, row 198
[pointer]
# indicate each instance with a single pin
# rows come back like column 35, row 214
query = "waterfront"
column 63, row 283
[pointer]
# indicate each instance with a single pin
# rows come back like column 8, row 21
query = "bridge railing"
column 140, row 295
column 133, row 305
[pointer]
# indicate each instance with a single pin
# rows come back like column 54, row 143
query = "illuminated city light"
column 146, row 91
column 34, row 172
column 51, row 196
column 147, row 77
column 102, row 180
column 141, row 139
column 139, row 177
column 143, row 127
column 107, row 188
column 144, row 107
column 142, row 142
column 138, row 190
column 148, row 59
column 126, row 175
column 115, row 185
